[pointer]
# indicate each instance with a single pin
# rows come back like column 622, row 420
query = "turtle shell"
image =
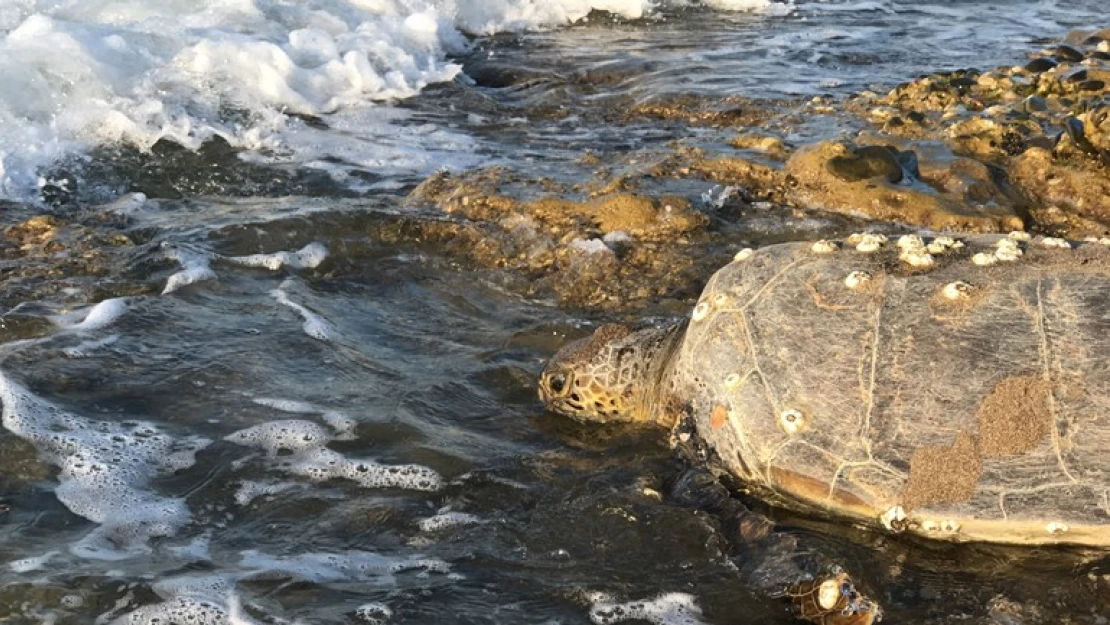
column 957, row 399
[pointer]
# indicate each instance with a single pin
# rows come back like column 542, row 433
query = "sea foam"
column 299, row 447
column 80, row 75
column 105, row 471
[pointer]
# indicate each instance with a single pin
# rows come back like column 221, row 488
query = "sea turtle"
column 953, row 389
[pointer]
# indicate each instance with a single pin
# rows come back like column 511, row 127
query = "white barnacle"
column 856, row 279
column 743, row 255
column 792, row 421
column 957, row 290
column 1104, row 241
column 855, row 238
column 824, row 246
column 1019, row 235
column 1056, row 242
column 869, row 243
column 908, row 242
column 1007, row 250
column 894, row 518
column 983, row 259
column 1056, row 527
column 917, row 258
column 828, row 593
column 942, row 244
column 701, row 311
column 732, row 380
column 930, row 525
column 720, row 300
column 950, row 526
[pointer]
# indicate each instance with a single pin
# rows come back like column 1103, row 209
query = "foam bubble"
column 343, row 424
column 673, row 608
column 308, row 257
column 105, row 471
column 445, row 520
column 299, row 448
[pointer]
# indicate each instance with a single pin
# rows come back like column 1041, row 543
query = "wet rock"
column 495, row 74
column 757, row 179
column 1081, row 194
column 770, row 146
column 1042, row 64
column 879, row 198
column 607, row 252
column 1068, row 53
column 705, row 111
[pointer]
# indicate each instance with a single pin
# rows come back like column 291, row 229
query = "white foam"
column 105, row 471
column 343, row 424
column 86, row 348
column 446, row 520
column 197, row 600
column 374, row 613
column 314, row 325
column 308, row 257
column 194, row 268
column 673, row 608
column 321, row 568
column 299, row 448
column 99, row 316
column 76, row 75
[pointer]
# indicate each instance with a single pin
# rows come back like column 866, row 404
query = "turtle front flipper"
column 821, row 592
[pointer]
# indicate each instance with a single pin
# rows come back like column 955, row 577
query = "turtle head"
column 611, row 376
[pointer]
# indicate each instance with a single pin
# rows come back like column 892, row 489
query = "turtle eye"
column 557, row 382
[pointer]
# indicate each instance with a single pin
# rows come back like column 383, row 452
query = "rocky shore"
column 1024, row 147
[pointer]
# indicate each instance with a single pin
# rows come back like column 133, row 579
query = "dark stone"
column 916, row 117
column 1079, row 76
column 499, row 75
column 1092, row 85
column 1067, row 53
column 1099, row 55
column 1042, row 64
column 873, row 161
column 1033, row 104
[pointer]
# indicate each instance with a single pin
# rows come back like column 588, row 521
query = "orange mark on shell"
column 718, row 417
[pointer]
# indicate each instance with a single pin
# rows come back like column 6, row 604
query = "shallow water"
column 416, row 478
